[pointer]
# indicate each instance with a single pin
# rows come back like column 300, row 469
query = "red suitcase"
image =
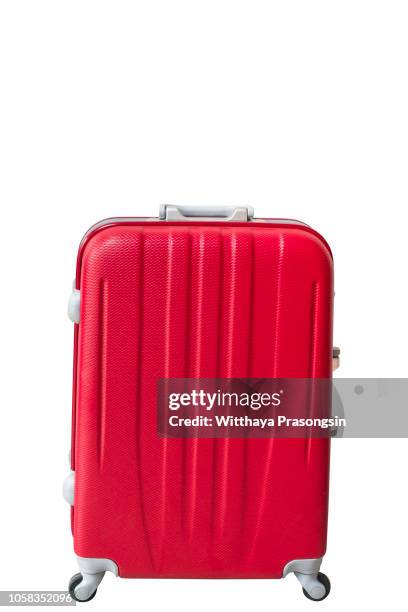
column 196, row 293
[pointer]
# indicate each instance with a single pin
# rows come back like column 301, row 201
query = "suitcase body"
column 188, row 297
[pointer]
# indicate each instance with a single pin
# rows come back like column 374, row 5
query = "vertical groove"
column 278, row 304
column 312, row 362
column 187, row 374
column 139, row 378
column 232, row 306
column 270, row 441
column 244, row 497
column 102, row 370
column 194, row 442
column 220, row 303
column 167, row 357
column 313, row 324
column 251, row 306
column 219, row 507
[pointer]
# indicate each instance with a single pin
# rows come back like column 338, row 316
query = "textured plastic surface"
column 197, row 300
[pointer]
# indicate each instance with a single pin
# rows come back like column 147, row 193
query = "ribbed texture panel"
column 197, row 302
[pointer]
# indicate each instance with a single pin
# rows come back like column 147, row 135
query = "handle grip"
column 169, row 212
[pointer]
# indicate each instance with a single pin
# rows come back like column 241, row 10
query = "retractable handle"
column 169, row 212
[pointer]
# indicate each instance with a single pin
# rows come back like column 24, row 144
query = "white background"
column 111, row 108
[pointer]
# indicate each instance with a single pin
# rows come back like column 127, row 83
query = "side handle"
column 336, row 357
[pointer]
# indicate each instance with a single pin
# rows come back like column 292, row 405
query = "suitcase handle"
column 169, row 212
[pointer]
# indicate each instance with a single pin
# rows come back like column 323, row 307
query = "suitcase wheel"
column 323, row 579
column 76, row 593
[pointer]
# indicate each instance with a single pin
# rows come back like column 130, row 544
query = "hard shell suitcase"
column 196, row 293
